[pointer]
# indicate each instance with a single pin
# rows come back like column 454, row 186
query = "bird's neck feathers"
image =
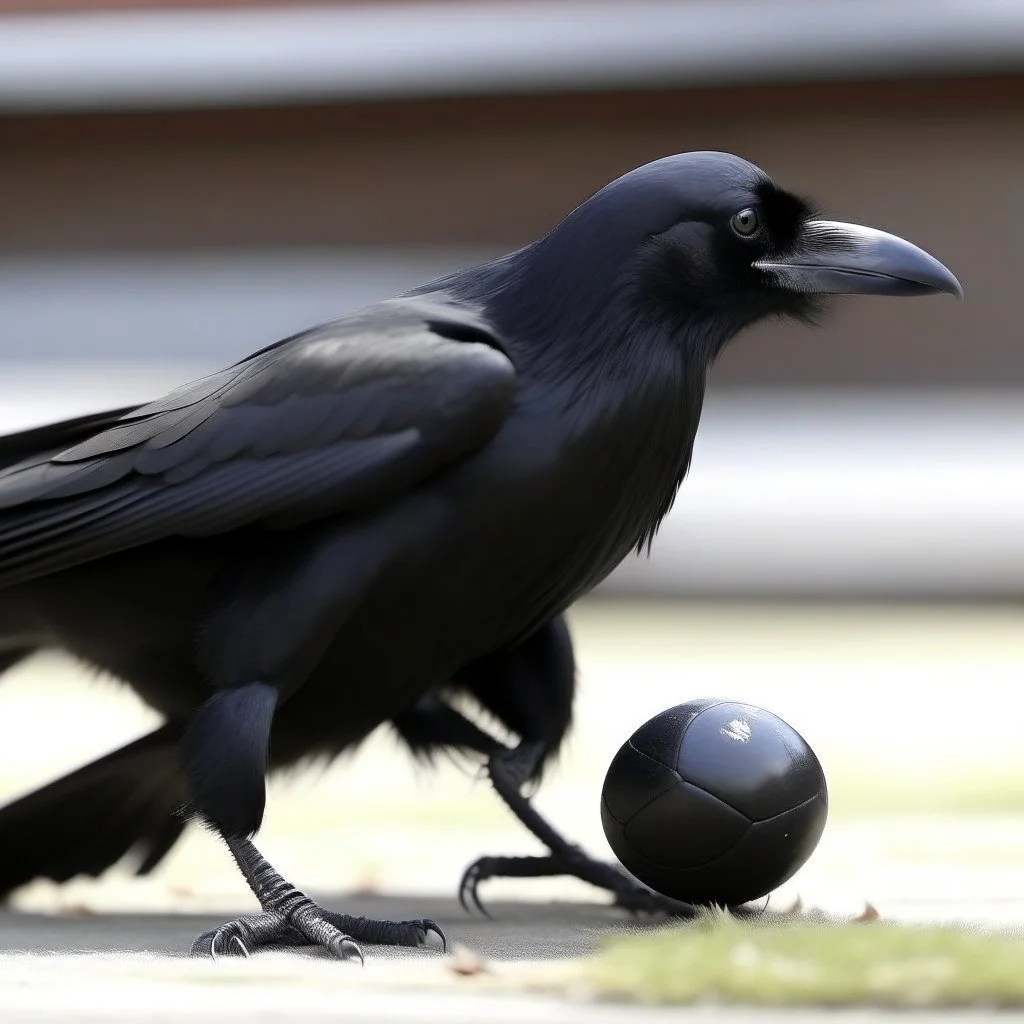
column 630, row 380
column 578, row 305
column 625, row 385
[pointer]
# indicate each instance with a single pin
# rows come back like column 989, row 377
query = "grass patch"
column 803, row 962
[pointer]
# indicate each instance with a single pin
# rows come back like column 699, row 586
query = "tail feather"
column 86, row 821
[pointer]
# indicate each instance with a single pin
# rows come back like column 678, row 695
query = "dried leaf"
column 869, row 913
column 467, row 963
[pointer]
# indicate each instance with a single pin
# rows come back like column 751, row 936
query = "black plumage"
column 355, row 524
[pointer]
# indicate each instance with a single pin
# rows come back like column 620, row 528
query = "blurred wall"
column 941, row 161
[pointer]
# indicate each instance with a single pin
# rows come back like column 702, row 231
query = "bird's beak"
column 851, row 259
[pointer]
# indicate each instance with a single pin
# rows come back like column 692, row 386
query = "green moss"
column 809, row 963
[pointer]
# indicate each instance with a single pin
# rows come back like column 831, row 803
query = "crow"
column 378, row 518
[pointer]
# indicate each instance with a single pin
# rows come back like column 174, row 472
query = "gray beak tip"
column 939, row 280
column 852, row 259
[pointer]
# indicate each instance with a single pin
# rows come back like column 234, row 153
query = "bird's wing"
column 53, row 437
column 338, row 419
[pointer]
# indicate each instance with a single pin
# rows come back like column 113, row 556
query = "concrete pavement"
column 132, row 967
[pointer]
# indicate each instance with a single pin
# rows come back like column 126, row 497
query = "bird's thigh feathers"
column 225, row 750
column 529, row 687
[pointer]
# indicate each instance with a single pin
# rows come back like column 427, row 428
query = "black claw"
column 470, row 889
column 465, row 886
column 344, row 949
column 462, row 895
column 214, row 955
column 203, row 946
column 212, row 944
column 473, row 892
column 478, row 903
column 429, row 926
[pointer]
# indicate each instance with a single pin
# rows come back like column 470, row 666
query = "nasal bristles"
column 785, row 212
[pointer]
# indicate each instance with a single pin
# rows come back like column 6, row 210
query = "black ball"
column 714, row 802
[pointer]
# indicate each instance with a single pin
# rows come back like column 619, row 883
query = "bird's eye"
column 746, row 223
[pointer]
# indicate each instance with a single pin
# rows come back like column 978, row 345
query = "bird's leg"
column 291, row 918
column 530, row 687
column 508, row 770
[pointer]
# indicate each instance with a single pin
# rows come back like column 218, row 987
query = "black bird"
column 350, row 525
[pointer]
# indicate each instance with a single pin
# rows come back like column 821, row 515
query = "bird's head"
column 709, row 239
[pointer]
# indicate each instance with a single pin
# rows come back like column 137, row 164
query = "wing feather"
column 336, row 420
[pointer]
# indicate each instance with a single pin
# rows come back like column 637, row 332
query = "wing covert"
column 339, row 418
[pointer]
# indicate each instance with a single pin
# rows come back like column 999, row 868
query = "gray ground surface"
column 129, row 967
column 515, row 931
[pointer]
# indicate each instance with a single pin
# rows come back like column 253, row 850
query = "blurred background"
column 182, row 183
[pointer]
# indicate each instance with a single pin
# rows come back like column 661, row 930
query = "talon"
column 468, row 889
column 343, row 948
column 474, row 895
column 200, row 948
column 236, row 941
column 213, row 946
column 432, row 926
column 478, row 903
column 462, row 896
column 465, row 886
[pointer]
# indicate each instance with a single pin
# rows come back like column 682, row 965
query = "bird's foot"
column 508, row 770
column 291, row 918
column 338, row 934
column 245, row 935
column 629, row 894
column 310, row 925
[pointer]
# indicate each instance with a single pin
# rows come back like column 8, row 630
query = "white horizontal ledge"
column 152, row 59
column 858, row 494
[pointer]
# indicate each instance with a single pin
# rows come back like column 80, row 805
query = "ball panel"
column 633, row 779
column 684, row 827
column 613, row 831
column 766, row 855
column 784, row 843
column 750, row 759
column 660, row 737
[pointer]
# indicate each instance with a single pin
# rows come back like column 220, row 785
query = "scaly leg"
column 291, row 918
column 508, row 770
